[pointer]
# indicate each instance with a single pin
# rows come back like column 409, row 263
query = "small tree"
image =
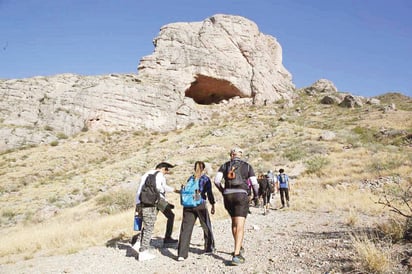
column 398, row 198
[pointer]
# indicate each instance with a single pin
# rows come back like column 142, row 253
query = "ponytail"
column 199, row 167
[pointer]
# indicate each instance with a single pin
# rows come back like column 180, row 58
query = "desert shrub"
column 294, row 154
column 115, row 201
column 393, row 229
column 9, row 214
column 352, row 218
column 365, row 135
column 54, row 143
column 373, row 255
column 61, row 135
column 267, row 156
column 316, row 164
column 381, row 166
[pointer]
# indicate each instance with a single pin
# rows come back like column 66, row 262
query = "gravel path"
column 283, row 241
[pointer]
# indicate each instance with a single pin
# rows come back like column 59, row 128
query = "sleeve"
column 161, row 184
column 207, row 189
column 253, row 179
column 217, row 181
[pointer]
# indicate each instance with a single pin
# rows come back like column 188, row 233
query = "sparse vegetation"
column 115, row 202
column 373, row 255
column 97, row 166
column 316, row 164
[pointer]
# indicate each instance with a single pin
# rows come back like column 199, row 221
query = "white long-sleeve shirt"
column 161, row 185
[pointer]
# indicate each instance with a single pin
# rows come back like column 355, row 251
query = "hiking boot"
column 238, row 259
column 167, row 241
column 146, row 255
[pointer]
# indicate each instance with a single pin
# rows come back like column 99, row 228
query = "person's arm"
column 210, row 195
column 218, row 179
column 255, row 186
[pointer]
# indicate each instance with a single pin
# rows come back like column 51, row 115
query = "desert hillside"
column 78, row 192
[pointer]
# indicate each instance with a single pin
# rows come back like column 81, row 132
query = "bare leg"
column 238, row 226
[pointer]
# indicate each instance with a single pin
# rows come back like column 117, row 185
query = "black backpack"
column 234, row 174
column 149, row 195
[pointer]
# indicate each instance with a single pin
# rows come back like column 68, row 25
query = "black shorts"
column 236, row 204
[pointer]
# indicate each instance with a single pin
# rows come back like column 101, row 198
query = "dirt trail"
column 283, row 241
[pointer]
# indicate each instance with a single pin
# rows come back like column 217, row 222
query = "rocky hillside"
column 193, row 63
column 89, row 179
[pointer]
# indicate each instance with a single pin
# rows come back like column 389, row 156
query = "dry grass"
column 72, row 177
column 375, row 257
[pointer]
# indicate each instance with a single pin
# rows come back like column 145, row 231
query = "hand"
column 212, row 211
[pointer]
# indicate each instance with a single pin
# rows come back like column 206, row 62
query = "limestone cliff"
column 193, row 64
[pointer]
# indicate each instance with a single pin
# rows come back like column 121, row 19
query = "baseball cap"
column 236, row 150
column 164, row 164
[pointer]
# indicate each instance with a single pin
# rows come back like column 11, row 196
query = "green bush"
column 294, row 154
column 315, row 164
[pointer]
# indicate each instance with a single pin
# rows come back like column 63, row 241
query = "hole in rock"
column 207, row 90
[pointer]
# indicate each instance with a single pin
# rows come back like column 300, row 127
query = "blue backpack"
column 190, row 193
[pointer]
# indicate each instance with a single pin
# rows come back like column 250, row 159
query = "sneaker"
column 180, row 259
column 146, row 255
column 242, row 250
column 169, row 241
column 238, row 259
column 136, row 246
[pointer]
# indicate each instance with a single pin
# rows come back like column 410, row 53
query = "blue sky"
column 362, row 46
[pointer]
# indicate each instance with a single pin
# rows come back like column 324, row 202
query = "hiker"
column 283, row 185
column 201, row 185
column 264, row 192
column 235, row 196
column 148, row 213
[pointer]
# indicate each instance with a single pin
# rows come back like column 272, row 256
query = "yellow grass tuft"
column 374, row 258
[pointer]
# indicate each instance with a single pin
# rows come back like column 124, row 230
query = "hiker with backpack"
column 283, row 185
column 193, row 196
column 235, row 196
column 150, row 198
column 265, row 191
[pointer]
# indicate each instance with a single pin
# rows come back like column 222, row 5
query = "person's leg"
column 186, row 229
column 168, row 213
column 282, row 198
column 148, row 220
column 238, row 226
column 206, row 224
column 287, row 196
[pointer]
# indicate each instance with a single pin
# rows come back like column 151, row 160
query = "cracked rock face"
column 222, row 57
column 193, row 64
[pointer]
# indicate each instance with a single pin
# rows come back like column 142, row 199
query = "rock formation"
column 193, row 64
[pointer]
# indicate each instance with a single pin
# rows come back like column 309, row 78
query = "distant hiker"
column 194, row 194
column 270, row 176
column 264, row 192
column 283, row 185
column 148, row 211
column 235, row 196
